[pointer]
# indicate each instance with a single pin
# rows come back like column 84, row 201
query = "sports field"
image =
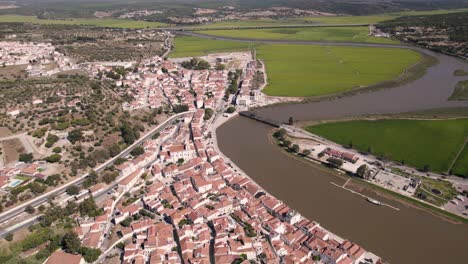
column 351, row 34
column 415, row 142
column 308, row 70
column 104, row 22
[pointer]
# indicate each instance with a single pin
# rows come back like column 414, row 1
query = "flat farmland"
column 461, row 165
column 309, row 70
column 415, row 142
column 305, row 71
column 192, row 47
column 329, row 34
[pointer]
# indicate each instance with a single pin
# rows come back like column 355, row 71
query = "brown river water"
column 410, row 235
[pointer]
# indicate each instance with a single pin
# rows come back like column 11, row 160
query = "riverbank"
column 307, row 189
column 360, row 185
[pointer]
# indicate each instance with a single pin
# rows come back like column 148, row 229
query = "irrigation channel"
column 410, row 235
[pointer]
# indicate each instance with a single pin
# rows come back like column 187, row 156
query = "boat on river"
column 373, row 201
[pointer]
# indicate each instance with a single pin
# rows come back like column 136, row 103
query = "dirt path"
column 458, row 155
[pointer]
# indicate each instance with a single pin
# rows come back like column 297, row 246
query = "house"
column 60, row 257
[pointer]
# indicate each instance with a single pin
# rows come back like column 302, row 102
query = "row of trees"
column 196, row 64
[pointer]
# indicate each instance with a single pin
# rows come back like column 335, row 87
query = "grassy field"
column 306, row 70
column 461, row 165
column 460, row 92
column 192, row 47
column 447, row 191
column 416, row 142
column 352, row 34
column 104, row 22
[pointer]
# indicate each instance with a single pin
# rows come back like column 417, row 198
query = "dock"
column 253, row 116
column 360, row 194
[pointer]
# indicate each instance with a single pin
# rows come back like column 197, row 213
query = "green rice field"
column 104, row 22
column 308, row 70
column 461, row 165
column 304, row 71
column 341, row 34
column 415, row 142
column 193, row 47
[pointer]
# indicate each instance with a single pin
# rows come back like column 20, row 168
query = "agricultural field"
column 433, row 144
column 105, row 22
column 460, row 167
column 372, row 19
column 340, row 34
column 305, row 71
column 192, row 47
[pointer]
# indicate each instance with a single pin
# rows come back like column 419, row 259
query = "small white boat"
column 373, row 201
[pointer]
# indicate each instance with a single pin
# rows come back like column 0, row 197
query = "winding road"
column 13, row 212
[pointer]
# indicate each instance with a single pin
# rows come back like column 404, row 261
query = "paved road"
column 11, row 213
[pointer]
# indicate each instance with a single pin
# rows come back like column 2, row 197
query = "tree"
column 88, row 207
column 180, row 108
column 295, row 148
column 109, row 177
column 75, row 136
column 28, row 157
column 220, row 66
column 208, row 114
column 9, row 237
column 90, row 255
column 230, row 110
column 335, row 162
column 306, row 152
column 287, row 143
column 362, row 171
column 114, row 150
column 279, row 134
column 71, row 243
column 57, row 150
column 291, row 121
column 73, row 190
column 54, row 158
column 137, row 151
column 29, row 209
column 90, row 180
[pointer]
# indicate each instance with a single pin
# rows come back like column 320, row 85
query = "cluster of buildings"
column 323, row 151
column 38, row 57
column 19, row 173
column 159, row 82
column 191, row 206
column 249, row 92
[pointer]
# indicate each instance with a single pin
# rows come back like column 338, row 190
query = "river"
column 407, row 236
